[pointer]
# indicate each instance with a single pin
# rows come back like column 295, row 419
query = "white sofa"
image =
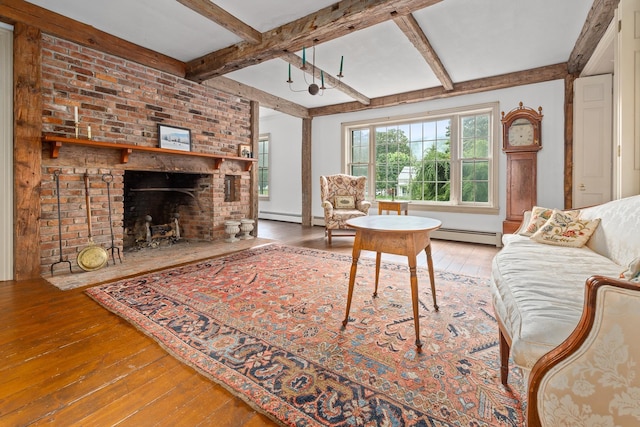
column 538, row 294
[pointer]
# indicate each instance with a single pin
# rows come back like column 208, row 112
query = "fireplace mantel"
column 56, row 142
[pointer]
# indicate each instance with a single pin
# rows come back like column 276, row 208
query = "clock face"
column 521, row 133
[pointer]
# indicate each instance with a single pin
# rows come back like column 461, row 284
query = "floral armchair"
column 343, row 198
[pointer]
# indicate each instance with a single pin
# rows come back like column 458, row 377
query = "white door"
column 592, row 140
column 627, row 72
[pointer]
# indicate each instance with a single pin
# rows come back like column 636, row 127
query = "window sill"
column 466, row 209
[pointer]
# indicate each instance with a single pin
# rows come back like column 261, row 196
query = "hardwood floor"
column 67, row 361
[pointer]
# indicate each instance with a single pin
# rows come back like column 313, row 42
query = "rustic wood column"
column 568, row 140
column 27, row 154
column 307, row 186
column 253, row 187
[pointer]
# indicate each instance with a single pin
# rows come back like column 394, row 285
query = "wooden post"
column 568, row 140
column 307, row 186
column 253, row 187
column 27, row 154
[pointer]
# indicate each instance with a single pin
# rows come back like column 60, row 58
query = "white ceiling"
column 474, row 39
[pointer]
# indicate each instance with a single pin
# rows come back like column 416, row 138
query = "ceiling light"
column 313, row 88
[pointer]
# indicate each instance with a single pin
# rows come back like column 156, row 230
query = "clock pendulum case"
column 521, row 142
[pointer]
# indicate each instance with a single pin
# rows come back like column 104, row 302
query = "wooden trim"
column 414, row 33
column 571, row 344
column 321, row 26
column 223, row 18
column 519, row 78
column 56, row 143
column 568, row 139
column 265, row 99
column 27, row 153
column 60, row 26
column 254, row 127
column 596, row 24
column 306, row 163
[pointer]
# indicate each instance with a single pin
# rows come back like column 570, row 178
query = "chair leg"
column 329, row 235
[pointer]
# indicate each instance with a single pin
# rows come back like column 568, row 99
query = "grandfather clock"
column 521, row 142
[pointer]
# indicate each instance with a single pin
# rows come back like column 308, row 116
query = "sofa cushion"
column 617, row 235
column 565, row 230
column 538, row 293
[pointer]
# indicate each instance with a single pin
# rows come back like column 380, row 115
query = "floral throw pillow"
column 564, row 230
column 345, row 202
column 632, row 273
column 539, row 216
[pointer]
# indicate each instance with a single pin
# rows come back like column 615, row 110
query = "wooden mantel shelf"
column 56, row 142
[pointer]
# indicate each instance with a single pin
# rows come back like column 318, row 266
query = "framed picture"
column 244, row 150
column 174, row 138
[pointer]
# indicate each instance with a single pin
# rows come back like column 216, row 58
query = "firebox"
column 164, row 207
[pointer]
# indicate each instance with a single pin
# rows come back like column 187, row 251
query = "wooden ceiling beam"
column 265, row 99
column 223, row 18
column 598, row 19
column 333, row 82
column 535, row 75
column 326, row 24
column 414, row 33
column 60, row 26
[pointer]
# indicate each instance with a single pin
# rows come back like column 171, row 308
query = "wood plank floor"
column 67, row 361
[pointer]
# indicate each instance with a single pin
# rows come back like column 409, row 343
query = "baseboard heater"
column 483, row 237
column 468, row 236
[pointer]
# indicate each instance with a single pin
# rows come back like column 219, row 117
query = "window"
column 443, row 160
column 263, row 166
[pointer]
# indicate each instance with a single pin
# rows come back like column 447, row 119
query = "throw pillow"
column 345, row 202
column 564, row 230
column 539, row 216
column 632, row 273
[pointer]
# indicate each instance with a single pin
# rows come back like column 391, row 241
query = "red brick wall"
column 123, row 102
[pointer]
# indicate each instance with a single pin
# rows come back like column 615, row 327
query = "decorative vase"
column 231, row 228
column 246, row 225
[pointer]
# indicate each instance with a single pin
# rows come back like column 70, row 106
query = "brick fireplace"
column 162, row 207
column 123, row 102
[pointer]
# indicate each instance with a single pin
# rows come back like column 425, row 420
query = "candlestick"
column 89, row 131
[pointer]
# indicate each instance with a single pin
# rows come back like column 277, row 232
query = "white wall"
column 285, row 187
column 327, row 140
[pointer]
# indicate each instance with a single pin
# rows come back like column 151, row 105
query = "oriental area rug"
column 266, row 323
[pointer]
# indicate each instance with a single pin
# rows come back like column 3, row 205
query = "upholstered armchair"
column 343, row 198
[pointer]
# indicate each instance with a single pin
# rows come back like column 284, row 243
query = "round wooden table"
column 398, row 235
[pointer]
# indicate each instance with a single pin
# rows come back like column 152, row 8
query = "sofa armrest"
column 595, row 373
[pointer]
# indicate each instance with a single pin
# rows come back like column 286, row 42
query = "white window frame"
column 456, row 114
column 265, row 137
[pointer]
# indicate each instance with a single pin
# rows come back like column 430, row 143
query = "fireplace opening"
column 165, row 207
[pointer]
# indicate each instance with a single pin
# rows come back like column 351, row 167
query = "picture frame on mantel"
column 244, row 150
column 174, row 138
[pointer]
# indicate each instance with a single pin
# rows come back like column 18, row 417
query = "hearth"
column 164, row 207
